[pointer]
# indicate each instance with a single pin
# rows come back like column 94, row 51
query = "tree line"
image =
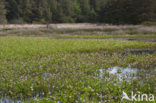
column 71, row 11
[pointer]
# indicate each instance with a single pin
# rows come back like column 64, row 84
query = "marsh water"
column 7, row 100
column 119, row 73
column 116, row 72
column 138, row 39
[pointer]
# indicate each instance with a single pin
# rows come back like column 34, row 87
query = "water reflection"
column 118, row 72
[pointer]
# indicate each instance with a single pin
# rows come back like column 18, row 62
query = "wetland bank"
column 76, row 65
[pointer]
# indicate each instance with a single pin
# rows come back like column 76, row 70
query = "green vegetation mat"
column 43, row 70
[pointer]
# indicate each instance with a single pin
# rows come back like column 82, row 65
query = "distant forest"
column 77, row 11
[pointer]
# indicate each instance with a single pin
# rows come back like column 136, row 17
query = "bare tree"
column 48, row 17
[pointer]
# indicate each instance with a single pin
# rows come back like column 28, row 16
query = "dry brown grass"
column 18, row 26
column 81, row 26
column 76, row 29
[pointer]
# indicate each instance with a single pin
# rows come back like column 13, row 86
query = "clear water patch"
column 118, row 73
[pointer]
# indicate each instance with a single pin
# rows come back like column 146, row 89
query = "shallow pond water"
column 138, row 39
column 115, row 73
column 118, row 72
column 140, row 51
column 7, row 100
